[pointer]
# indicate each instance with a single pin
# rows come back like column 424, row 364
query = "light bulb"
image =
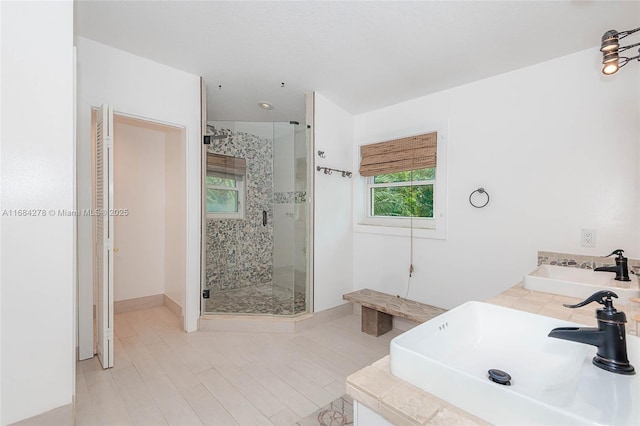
column 610, row 68
column 610, row 41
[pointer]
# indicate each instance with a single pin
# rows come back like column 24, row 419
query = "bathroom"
column 554, row 143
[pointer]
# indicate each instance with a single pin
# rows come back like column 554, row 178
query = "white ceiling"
column 362, row 55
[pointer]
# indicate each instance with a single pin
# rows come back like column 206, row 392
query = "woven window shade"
column 224, row 165
column 399, row 155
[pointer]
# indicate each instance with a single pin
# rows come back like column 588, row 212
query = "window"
column 403, row 186
column 225, row 186
column 402, row 194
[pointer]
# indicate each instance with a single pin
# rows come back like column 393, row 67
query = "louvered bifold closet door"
column 104, row 233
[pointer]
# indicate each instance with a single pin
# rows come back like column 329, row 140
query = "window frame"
column 435, row 228
column 240, row 188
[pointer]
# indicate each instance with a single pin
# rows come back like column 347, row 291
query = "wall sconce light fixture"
column 611, row 49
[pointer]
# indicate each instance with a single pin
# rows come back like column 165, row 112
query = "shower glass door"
column 257, row 226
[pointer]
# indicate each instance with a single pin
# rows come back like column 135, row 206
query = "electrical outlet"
column 588, row 238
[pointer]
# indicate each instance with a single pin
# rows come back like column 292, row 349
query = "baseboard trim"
column 173, row 306
column 325, row 316
column 58, row 416
column 269, row 323
column 146, row 302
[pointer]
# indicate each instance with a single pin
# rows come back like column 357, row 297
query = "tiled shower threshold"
column 264, row 300
column 271, row 323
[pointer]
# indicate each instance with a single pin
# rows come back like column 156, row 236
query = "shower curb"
column 270, row 323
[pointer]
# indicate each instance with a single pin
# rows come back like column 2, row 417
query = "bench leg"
column 374, row 322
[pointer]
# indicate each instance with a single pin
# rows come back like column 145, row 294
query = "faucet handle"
column 617, row 252
column 602, row 297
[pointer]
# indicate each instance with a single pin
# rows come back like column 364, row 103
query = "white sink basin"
column 553, row 381
column 580, row 283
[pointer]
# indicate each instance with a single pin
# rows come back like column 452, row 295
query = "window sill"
column 223, row 216
column 436, row 234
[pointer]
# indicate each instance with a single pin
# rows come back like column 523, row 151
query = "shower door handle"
column 264, row 218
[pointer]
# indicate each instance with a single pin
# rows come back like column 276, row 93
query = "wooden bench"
column 379, row 308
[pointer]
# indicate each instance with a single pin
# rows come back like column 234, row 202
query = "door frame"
column 191, row 294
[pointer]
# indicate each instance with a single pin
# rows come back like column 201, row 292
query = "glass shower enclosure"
column 256, row 233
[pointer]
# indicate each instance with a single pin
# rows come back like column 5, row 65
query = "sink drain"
column 500, row 377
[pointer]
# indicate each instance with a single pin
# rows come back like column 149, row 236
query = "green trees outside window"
column 403, row 194
column 224, row 194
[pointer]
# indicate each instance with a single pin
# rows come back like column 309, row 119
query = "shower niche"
column 257, row 218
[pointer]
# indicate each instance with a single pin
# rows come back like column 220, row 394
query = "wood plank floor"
column 163, row 375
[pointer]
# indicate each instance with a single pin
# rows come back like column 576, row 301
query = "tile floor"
column 165, row 376
column 336, row 413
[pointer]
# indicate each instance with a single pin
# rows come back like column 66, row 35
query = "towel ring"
column 479, row 191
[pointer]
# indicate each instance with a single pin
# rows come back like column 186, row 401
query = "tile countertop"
column 403, row 404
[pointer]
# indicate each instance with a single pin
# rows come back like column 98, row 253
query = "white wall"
column 1, row 102
column 150, row 184
column 139, row 187
column 146, row 89
column 333, row 229
column 37, row 172
column 1, row 83
column 175, row 218
column 556, row 147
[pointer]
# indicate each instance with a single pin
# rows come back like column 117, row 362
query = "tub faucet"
column 621, row 269
column 609, row 336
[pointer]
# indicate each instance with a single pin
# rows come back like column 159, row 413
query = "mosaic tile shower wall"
column 239, row 252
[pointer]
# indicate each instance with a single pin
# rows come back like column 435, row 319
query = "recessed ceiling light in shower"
column 265, row 105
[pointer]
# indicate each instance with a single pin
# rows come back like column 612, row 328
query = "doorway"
column 149, row 216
